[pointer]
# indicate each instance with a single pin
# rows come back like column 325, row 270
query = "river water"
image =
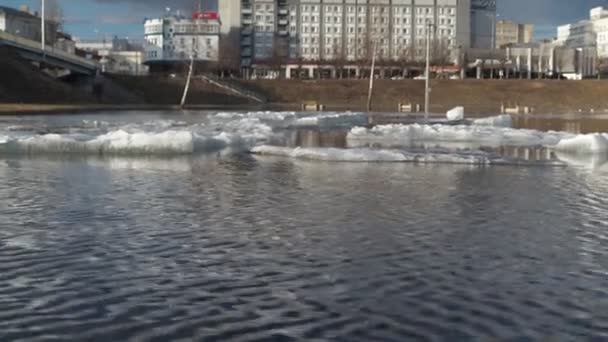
column 124, row 227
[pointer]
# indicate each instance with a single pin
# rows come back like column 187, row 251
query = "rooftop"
column 17, row 13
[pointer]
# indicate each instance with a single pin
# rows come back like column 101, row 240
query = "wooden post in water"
column 371, row 79
column 183, row 102
column 427, row 78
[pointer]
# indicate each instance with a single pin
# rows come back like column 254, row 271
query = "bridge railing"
column 50, row 50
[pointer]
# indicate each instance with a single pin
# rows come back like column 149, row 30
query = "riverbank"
column 477, row 96
column 35, row 109
column 24, row 89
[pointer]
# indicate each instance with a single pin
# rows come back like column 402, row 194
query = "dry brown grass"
column 477, row 95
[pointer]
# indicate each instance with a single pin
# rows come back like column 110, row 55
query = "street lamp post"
column 427, row 88
column 43, row 30
column 493, row 40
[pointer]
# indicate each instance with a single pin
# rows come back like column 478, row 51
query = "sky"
column 93, row 19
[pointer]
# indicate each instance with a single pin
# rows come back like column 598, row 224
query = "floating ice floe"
column 333, row 120
column 584, row 144
column 473, row 136
column 292, row 119
column 504, row 120
column 149, row 138
column 366, row 155
column 455, row 114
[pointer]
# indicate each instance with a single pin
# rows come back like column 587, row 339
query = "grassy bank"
column 475, row 95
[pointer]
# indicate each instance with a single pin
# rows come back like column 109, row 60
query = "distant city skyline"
column 94, row 19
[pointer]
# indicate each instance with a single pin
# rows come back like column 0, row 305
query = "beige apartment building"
column 508, row 32
column 325, row 30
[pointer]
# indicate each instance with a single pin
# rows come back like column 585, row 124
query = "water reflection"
column 578, row 124
column 317, row 138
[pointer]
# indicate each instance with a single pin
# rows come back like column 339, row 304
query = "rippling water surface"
column 235, row 247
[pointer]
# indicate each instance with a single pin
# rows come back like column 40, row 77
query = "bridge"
column 31, row 50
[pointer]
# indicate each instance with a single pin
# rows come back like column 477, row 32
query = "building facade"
column 508, row 32
column 545, row 59
column 592, row 32
column 116, row 56
column 26, row 24
column 482, row 23
column 350, row 30
column 176, row 38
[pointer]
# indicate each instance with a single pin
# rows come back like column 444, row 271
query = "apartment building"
column 508, row 32
column 329, row 30
column 175, row 38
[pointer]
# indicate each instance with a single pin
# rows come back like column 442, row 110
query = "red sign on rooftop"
column 207, row 15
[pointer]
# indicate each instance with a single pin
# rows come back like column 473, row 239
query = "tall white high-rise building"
column 592, row 32
column 328, row 30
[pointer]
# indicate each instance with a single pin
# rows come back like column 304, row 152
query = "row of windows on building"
column 360, row 9
column 187, row 28
column 171, row 54
column 376, row 9
column 350, row 52
column 182, row 41
column 376, row 20
column 351, row 30
column 351, row 41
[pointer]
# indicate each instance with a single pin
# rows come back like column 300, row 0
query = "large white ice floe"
column 504, row 120
column 453, row 136
column 455, row 114
column 367, row 155
column 150, row 138
column 333, row 120
column 301, row 119
column 584, row 144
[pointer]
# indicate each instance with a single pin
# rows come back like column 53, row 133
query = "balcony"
column 283, row 11
column 246, row 53
column 283, row 22
column 247, row 21
column 247, row 10
column 246, row 32
column 283, row 33
column 246, row 41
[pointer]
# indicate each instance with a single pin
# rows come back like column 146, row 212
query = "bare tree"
column 404, row 60
column 561, row 60
column 440, row 53
column 229, row 54
column 339, row 60
column 279, row 54
column 300, row 63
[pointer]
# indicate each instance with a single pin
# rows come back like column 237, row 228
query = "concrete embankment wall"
column 482, row 96
column 21, row 82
